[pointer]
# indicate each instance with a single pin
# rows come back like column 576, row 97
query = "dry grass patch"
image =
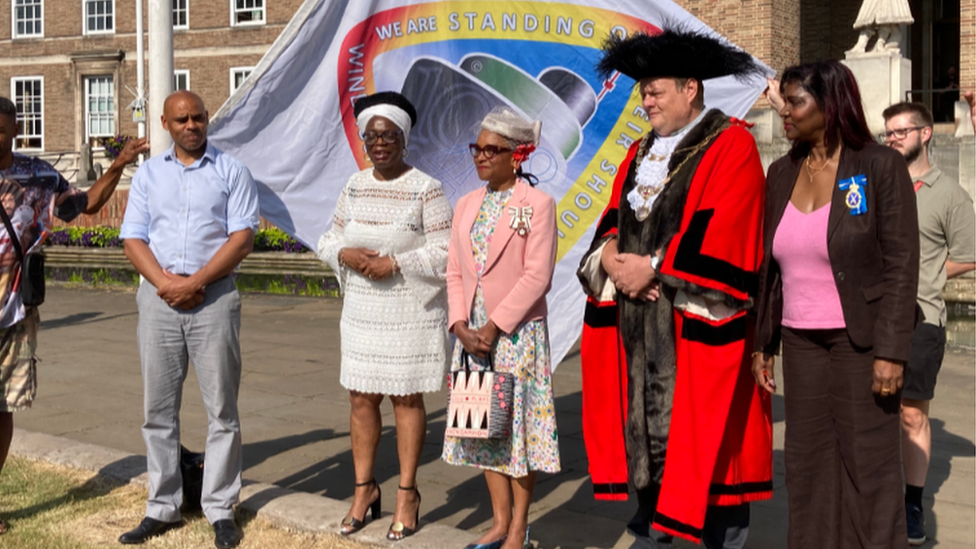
column 53, row 507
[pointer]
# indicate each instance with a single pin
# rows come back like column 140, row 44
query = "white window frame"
column 88, row 134
column 186, row 10
column 84, row 18
column 233, row 73
column 13, row 96
column 177, row 74
column 233, row 14
column 13, row 21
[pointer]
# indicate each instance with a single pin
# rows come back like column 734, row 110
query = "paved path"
column 295, row 422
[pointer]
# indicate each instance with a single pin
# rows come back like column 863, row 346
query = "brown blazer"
column 874, row 256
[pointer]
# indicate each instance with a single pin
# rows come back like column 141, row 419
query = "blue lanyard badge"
column 855, row 199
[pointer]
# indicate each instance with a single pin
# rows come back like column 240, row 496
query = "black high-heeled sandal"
column 351, row 524
column 397, row 530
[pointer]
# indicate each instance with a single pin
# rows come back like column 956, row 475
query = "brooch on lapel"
column 855, row 199
column 521, row 219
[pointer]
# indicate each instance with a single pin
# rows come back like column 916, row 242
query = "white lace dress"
column 393, row 331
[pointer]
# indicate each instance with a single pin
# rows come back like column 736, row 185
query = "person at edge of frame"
column 33, row 193
column 947, row 249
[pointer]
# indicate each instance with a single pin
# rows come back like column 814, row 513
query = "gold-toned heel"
column 397, row 530
column 351, row 524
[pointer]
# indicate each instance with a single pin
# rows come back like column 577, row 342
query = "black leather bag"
column 191, row 467
column 31, row 267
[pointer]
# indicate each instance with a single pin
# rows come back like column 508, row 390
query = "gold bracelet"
column 339, row 257
column 394, row 264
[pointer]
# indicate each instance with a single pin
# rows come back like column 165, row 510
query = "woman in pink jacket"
column 500, row 263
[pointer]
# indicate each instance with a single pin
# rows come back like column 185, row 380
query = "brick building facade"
column 72, row 60
column 78, row 49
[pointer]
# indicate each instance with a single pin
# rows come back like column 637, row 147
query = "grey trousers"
column 208, row 336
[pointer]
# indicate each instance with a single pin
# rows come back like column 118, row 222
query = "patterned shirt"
column 32, row 193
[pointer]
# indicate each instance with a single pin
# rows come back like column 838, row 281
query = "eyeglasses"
column 389, row 137
column 900, row 133
column 489, row 150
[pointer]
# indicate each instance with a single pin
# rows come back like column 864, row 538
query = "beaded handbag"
column 479, row 402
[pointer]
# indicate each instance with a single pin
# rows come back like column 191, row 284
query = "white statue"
column 884, row 17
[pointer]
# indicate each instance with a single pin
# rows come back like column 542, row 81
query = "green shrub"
column 266, row 240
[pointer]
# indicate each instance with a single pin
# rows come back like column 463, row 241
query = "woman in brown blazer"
column 837, row 287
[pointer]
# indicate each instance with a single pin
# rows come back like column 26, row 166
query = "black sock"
column 913, row 494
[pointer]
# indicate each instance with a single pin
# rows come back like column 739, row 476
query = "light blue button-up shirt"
column 186, row 213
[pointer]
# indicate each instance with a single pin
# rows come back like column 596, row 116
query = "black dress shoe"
column 148, row 528
column 227, row 534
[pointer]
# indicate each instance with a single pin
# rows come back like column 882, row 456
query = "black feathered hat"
column 385, row 98
column 674, row 53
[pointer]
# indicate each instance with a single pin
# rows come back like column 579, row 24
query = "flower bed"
column 265, row 240
column 108, row 277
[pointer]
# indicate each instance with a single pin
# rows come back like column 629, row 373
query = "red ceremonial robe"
column 719, row 441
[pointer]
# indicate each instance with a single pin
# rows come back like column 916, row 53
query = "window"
column 99, row 16
column 28, row 18
column 237, row 77
column 246, row 12
column 181, row 80
column 99, row 108
column 181, row 14
column 28, row 95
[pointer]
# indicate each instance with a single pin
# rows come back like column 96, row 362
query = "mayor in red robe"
column 669, row 403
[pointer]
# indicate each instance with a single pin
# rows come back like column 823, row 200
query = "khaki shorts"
column 18, row 365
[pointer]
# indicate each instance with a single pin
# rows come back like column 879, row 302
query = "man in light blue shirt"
column 190, row 221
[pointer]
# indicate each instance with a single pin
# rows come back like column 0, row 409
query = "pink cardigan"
column 518, row 272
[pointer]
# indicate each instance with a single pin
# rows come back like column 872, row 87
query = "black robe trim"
column 716, row 336
column 596, row 316
column 677, row 526
column 740, row 489
column 690, row 259
column 611, row 488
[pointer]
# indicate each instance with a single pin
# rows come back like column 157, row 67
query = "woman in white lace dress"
column 388, row 245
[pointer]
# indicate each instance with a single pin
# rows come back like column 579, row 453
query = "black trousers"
column 726, row 527
column 843, row 463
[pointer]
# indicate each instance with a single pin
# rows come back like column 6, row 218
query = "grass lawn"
column 52, row 507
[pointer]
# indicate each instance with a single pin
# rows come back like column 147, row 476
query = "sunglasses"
column 488, row 150
column 389, row 137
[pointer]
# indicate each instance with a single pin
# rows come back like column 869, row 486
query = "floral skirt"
column 534, row 442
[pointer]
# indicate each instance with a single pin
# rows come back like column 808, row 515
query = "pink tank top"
column 810, row 298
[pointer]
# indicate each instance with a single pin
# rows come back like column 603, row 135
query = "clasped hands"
column 366, row 262
column 633, row 276
column 180, row 291
column 476, row 342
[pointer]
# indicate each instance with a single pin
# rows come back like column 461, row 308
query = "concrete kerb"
column 298, row 511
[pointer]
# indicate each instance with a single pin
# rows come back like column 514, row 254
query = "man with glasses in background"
column 947, row 229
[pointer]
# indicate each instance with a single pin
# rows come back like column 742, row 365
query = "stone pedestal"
column 963, row 118
column 883, row 78
column 767, row 126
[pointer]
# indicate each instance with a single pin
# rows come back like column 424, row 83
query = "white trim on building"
column 100, row 19
column 248, row 12
column 99, row 107
column 27, row 92
column 29, row 16
column 237, row 77
column 181, row 79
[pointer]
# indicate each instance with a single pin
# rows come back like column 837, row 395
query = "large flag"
column 292, row 122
